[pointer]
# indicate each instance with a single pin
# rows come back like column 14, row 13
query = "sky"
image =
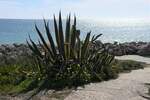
column 84, row 9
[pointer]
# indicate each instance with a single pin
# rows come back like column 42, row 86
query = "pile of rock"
column 128, row 48
column 10, row 52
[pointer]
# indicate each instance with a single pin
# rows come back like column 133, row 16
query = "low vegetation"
column 13, row 81
column 126, row 65
column 13, row 75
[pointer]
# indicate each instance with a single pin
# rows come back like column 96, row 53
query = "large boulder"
column 130, row 48
column 144, row 50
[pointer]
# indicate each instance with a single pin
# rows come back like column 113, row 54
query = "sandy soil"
column 128, row 86
column 135, row 58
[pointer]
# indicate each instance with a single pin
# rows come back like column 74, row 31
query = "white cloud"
column 83, row 8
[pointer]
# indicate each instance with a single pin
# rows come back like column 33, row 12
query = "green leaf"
column 67, row 38
column 61, row 35
column 50, row 37
column 94, row 38
column 67, row 30
column 35, row 48
column 73, row 34
column 57, row 34
column 73, row 40
column 44, row 42
column 78, row 47
column 85, row 45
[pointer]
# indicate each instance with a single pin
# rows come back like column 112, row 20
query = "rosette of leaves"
column 66, row 60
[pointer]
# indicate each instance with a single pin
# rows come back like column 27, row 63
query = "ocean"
column 17, row 30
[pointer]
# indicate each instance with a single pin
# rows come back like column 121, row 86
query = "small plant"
column 70, row 61
column 126, row 65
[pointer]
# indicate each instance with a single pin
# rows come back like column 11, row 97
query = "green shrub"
column 126, row 65
column 26, row 85
column 6, row 88
column 12, row 76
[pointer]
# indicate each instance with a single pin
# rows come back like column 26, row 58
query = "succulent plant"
column 68, row 60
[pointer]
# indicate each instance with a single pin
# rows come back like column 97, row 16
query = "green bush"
column 10, row 74
column 126, row 65
column 13, row 74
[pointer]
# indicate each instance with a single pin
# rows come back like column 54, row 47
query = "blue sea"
column 17, row 30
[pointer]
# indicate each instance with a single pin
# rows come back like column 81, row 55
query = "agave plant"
column 68, row 60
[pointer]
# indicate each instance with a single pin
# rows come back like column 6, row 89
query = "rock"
column 115, row 43
column 11, row 53
column 8, row 52
column 127, row 48
column 16, row 45
column 2, row 49
column 144, row 50
column 1, row 54
column 117, row 52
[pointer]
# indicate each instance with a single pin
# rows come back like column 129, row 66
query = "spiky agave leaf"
column 34, row 48
column 78, row 45
column 85, row 45
column 57, row 35
column 94, row 38
column 47, row 59
column 110, row 59
column 73, row 34
column 44, row 42
column 61, row 35
column 73, row 40
column 67, row 33
column 51, row 41
column 67, row 39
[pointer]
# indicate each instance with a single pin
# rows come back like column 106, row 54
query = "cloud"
column 83, row 8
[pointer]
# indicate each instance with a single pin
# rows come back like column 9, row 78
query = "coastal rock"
column 144, row 50
column 1, row 54
column 2, row 49
column 127, row 48
column 130, row 48
column 11, row 52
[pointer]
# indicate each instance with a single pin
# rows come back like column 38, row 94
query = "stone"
column 144, row 50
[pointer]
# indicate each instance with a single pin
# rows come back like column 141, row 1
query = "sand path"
column 126, row 87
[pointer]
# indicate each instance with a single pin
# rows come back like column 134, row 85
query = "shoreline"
column 11, row 52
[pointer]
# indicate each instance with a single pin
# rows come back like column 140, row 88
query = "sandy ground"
column 128, row 86
column 135, row 58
